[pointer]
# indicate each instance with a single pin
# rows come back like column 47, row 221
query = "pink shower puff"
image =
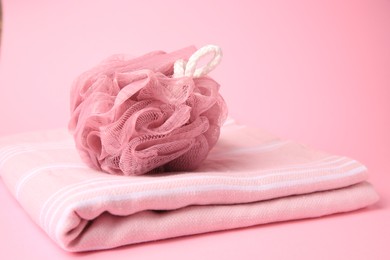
column 133, row 116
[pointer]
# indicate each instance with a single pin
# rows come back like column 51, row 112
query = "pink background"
column 313, row 71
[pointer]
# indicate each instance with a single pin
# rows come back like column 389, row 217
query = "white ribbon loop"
column 188, row 69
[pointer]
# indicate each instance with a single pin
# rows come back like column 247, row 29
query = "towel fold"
column 250, row 177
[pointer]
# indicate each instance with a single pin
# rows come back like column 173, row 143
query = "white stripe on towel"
column 250, row 149
column 68, row 190
column 30, row 174
column 204, row 188
column 71, row 194
column 10, row 151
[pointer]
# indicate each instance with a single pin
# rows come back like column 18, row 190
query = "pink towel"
column 249, row 178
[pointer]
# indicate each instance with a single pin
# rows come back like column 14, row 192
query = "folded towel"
column 250, row 177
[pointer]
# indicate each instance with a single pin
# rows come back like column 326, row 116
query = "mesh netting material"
column 131, row 117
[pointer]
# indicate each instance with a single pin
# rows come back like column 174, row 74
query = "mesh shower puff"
column 133, row 116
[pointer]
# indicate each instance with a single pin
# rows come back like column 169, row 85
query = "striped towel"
column 249, row 178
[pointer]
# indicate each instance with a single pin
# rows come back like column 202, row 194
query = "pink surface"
column 317, row 72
